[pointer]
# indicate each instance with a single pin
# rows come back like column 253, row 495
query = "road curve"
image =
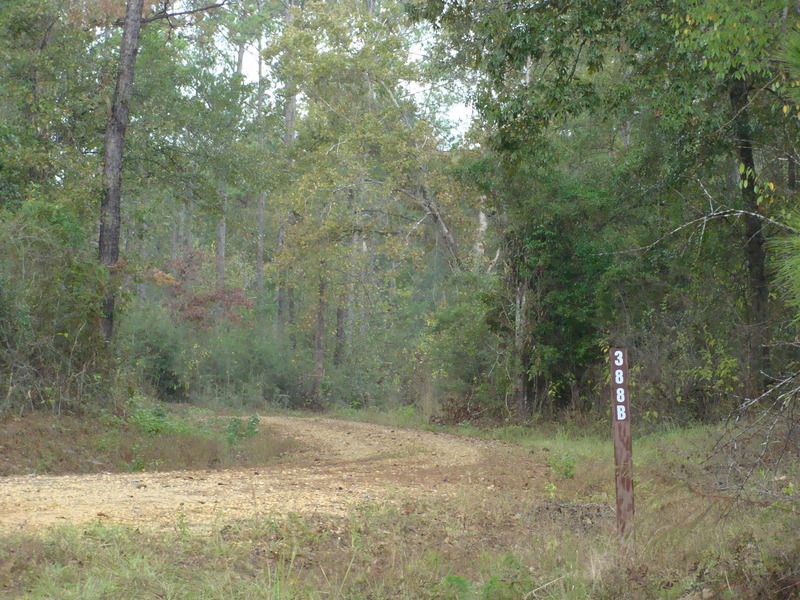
column 343, row 464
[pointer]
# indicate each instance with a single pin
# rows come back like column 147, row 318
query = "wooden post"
column 623, row 453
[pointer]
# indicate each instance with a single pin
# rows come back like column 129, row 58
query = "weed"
column 182, row 526
column 235, row 431
column 137, row 463
column 455, row 586
column 563, row 464
column 550, row 490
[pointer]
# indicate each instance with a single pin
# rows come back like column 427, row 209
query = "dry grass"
column 490, row 547
column 42, row 443
column 558, row 541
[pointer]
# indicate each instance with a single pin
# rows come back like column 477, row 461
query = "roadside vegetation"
column 144, row 435
column 554, row 540
column 423, row 213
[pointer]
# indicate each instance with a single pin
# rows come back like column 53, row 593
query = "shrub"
column 51, row 351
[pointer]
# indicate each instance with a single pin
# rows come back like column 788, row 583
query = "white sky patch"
column 458, row 116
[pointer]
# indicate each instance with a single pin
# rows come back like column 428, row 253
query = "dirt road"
column 343, row 464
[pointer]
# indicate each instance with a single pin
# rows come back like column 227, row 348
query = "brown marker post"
column 623, row 451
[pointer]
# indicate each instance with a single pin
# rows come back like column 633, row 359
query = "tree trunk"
column 222, row 240
column 341, row 335
column 283, row 296
column 432, row 208
column 240, row 57
column 754, row 242
column 319, row 339
column 117, row 124
column 521, row 365
column 285, row 293
column 176, row 235
column 185, row 237
column 290, row 90
column 40, row 171
column 289, row 113
column 141, row 287
column 261, row 219
column 262, row 196
column 479, row 248
column 357, row 276
column 189, row 238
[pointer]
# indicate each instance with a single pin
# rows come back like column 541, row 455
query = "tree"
column 114, row 144
column 703, row 69
column 365, row 186
column 110, row 219
column 51, row 107
column 737, row 46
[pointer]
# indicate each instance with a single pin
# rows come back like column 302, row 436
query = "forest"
column 314, row 298
column 453, row 205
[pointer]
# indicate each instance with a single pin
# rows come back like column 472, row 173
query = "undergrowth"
column 143, row 435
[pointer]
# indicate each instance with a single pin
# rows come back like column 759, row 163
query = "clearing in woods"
column 343, row 464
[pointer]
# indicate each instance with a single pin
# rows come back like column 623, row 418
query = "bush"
column 51, row 285
column 154, row 342
column 230, row 364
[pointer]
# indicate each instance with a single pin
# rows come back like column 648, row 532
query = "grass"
column 557, row 542
column 147, row 436
column 482, row 551
column 377, row 552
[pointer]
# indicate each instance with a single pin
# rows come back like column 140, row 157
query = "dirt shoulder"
column 343, row 464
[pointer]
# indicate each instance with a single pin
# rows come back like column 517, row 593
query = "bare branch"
column 163, row 14
column 719, row 214
column 749, row 439
column 431, row 208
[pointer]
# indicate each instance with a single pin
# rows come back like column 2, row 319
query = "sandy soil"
column 343, row 465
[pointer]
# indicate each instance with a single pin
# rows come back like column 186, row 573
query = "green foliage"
column 567, row 333
column 227, row 364
column 235, row 431
column 153, row 421
column 563, row 464
column 737, row 40
column 788, row 247
column 512, row 582
column 789, row 269
column 155, row 346
column 50, row 289
column 401, row 266
column 459, row 350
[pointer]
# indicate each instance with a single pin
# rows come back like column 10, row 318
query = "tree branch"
column 717, row 214
column 163, row 14
column 430, row 207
